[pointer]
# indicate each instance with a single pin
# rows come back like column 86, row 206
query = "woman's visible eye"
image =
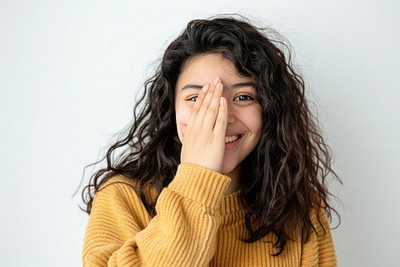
column 192, row 98
column 244, row 98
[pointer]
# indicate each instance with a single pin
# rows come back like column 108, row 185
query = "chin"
column 230, row 169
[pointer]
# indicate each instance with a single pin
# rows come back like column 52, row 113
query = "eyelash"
column 192, row 98
column 238, row 98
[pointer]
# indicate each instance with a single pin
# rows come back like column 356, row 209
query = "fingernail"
column 205, row 88
column 218, row 87
column 215, row 81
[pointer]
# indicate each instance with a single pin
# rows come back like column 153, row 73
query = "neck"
column 234, row 186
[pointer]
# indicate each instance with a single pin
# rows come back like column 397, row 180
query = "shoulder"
column 320, row 218
column 118, row 199
column 319, row 250
column 117, row 182
column 117, row 191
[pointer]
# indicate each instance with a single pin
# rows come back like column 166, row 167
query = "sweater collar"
column 231, row 210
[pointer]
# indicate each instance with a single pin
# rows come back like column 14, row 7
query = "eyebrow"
column 234, row 86
column 192, row 86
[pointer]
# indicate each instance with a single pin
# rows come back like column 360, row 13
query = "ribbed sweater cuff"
column 200, row 184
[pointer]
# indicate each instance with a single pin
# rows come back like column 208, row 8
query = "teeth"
column 229, row 139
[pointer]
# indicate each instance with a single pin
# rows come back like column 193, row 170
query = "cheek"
column 254, row 121
column 182, row 115
column 257, row 125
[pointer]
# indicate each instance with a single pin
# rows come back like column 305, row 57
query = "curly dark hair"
column 282, row 179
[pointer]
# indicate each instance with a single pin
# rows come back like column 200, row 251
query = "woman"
column 223, row 165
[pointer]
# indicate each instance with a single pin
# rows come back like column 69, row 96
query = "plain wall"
column 70, row 70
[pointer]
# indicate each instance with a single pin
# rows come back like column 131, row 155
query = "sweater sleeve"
column 183, row 233
column 319, row 250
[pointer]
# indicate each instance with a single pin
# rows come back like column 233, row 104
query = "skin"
column 218, row 116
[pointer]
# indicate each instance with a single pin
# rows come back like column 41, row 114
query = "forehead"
column 204, row 68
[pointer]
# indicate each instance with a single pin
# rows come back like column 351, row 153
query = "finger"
column 197, row 105
column 212, row 111
column 205, row 105
column 222, row 119
column 182, row 129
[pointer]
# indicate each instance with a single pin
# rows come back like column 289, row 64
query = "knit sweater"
column 196, row 225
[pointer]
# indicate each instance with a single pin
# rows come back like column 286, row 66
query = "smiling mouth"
column 230, row 139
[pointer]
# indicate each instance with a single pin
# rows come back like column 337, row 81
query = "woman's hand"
column 204, row 136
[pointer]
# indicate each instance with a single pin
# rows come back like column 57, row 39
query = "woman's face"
column 244, row 112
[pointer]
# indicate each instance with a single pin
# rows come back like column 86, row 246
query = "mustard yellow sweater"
column 196, row 225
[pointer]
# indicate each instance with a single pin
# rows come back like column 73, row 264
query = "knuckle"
column 203, row 107
column 216, row 96
column 221, row 120
column 212, row 111
column 195, row 109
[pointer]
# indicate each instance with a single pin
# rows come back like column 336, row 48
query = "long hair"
column 282, row 179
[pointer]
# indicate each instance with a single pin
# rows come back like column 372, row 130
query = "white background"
column 69, row 72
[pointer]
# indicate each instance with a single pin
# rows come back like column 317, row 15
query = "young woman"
column 223, row 165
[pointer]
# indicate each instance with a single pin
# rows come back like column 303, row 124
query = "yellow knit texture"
column 196, row 225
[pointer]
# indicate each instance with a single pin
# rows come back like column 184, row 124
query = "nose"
column 231, row 114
